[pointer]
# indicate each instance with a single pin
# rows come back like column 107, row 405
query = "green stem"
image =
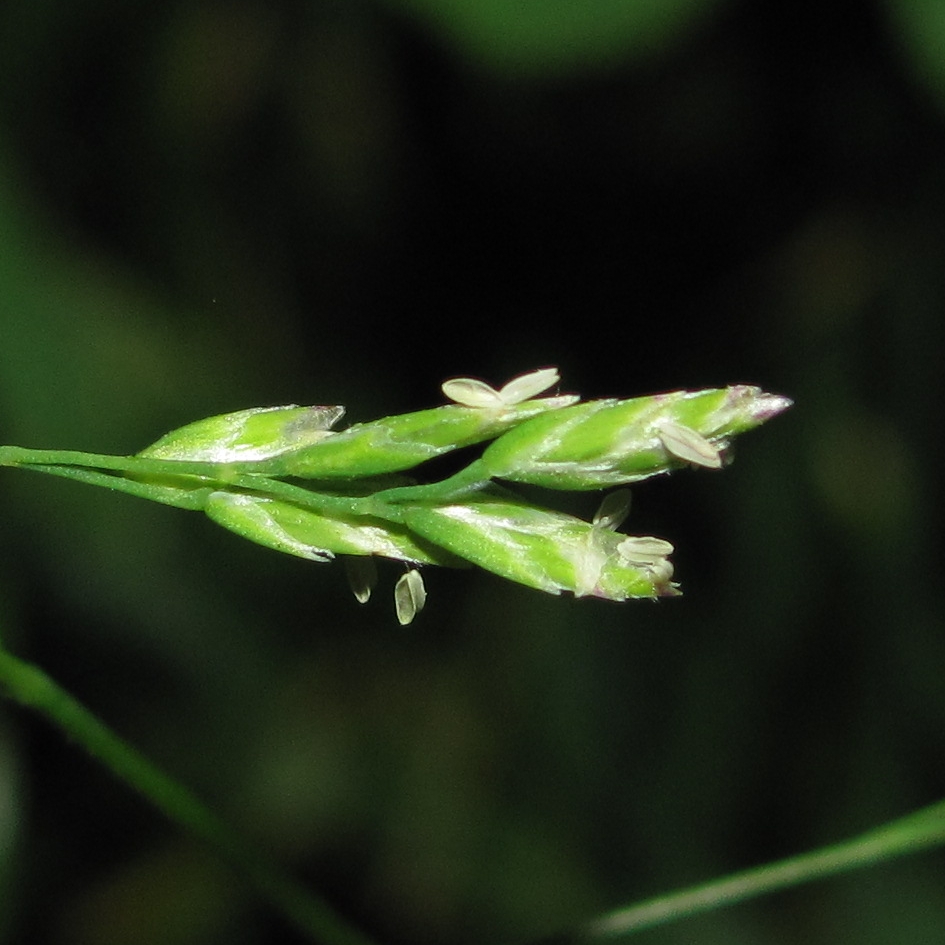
column 186, row 496
column 914, row 832
column 32, row 688
column 471, row 478
column 135, row 465
column 87, row 467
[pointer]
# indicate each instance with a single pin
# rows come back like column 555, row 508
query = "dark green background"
column 208, row 206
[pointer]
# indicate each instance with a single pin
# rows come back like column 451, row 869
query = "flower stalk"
column 284, row 478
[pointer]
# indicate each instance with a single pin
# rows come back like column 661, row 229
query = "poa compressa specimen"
column 285, row 478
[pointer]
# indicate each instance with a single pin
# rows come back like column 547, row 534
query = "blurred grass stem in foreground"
column 33, row 689
column 912, row 833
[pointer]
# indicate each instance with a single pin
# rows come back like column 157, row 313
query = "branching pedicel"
column 243, row 470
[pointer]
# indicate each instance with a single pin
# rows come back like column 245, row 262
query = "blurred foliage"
column 918, row 29
column 205, row 207
column 557, row 37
